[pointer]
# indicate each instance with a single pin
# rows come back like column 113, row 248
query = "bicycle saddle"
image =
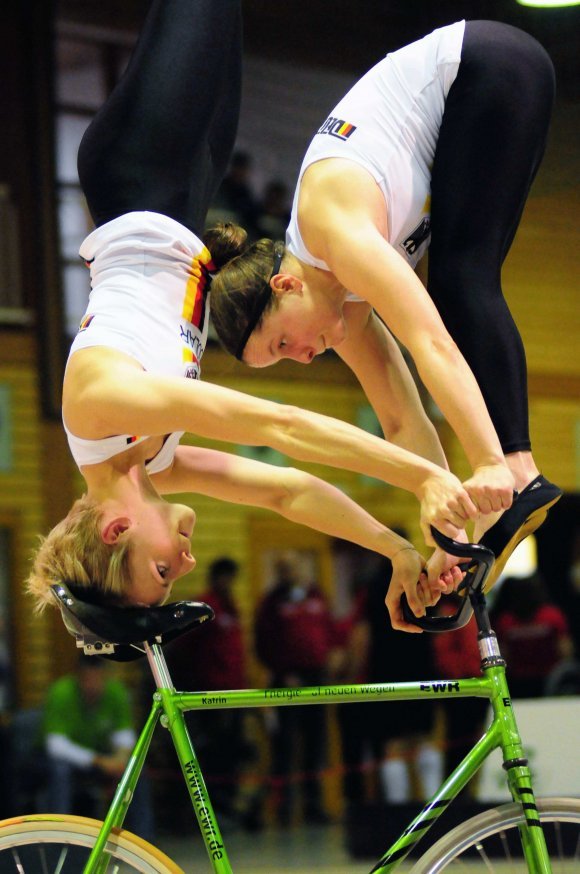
column 115, row 631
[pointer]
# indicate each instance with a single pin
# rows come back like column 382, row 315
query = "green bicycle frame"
column 169, row 707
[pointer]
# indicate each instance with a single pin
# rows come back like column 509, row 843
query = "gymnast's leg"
column 490, row 145
column 163, row 138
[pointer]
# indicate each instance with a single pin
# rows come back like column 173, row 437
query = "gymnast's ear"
column 115, row 530
column 286, row 283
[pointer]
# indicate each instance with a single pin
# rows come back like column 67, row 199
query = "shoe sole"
column 531, row 524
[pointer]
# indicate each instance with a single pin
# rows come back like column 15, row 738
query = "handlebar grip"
column 476, row 551
column 438, row 623
column 478, row 568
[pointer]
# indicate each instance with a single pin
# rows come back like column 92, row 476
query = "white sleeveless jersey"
column 389, row 124
column 149, row 299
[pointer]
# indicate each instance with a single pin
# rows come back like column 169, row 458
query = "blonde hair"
column 74, row 552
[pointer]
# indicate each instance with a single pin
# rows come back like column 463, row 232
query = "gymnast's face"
column 300, row 325
column 160, row 549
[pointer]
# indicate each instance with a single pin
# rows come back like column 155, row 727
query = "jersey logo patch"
column 191, row 371
column 418, row 236
column 337, row 127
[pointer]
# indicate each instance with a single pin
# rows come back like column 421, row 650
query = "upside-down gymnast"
column 435, row 147
column 149, row 165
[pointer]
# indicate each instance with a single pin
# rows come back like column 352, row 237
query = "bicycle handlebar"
column 477, row 571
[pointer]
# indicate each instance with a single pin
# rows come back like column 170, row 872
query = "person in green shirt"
column 88, row 735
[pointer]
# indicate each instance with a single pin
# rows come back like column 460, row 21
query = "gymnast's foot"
column 525, row 516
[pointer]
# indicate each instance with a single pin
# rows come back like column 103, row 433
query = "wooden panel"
column 541, row 279
column 21, row 507
column 555, row 424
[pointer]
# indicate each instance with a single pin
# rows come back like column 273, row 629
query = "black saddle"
column 120, row 632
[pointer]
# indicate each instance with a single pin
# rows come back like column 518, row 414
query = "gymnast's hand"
column 491, row 487
column 410, row 576
column 443, row 570
column 445, row 505
column 420, row 584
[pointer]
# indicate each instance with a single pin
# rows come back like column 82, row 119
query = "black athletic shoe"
column 525, row 516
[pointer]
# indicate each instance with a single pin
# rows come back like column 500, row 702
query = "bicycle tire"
column 467, row 839
column 54, row 842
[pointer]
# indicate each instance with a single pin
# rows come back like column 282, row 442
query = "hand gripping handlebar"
column 477, row 569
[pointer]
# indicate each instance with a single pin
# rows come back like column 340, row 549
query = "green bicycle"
column 529, row 834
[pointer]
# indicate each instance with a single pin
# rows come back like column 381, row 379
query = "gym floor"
column 300, row 850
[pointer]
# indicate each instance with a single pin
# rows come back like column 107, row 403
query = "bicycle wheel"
column 490, row 841
column 55, row 844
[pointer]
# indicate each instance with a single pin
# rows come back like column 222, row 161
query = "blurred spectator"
column 350, row 665
column 211, row 658
column 559, row 560
column 294, row 638
column 410, row 760
column 573, row 593
column 564, row 679
column 532, row 633
column 235, row 199
column 273, row 215
column 26, row 783
column 6, row 770
column 88, row 736
column 456, row 657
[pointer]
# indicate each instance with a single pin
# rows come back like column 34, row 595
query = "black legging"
column 490, row 144
column 163, row 139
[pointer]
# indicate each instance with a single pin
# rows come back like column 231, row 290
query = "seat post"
column 479, row 605
column 158, row 665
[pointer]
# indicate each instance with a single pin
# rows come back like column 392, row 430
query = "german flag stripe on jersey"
column 197, row 288
column 85, row 322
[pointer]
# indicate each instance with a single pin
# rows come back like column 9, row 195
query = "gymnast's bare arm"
column 343, row 221
column 310, row 501
column 372, row 353
column 107, row 392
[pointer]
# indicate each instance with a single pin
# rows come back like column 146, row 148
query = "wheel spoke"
column 484, row 857
column 17, row 863
column 577, row 853
column 61, row 861
column 506, row 846
column 43, row 861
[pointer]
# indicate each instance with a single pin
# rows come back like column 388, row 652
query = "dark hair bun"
column 225, row 241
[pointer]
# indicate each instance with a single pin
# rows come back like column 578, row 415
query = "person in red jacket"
column 211, row 658
column 533, row 634
column 457, row 656
column 294, row 634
